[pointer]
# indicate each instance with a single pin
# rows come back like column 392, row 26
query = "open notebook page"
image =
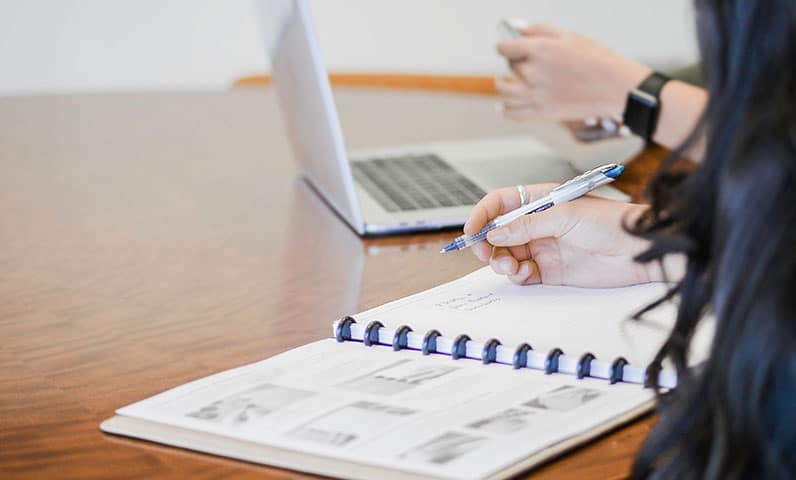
column 485, row 305
column 399, row 411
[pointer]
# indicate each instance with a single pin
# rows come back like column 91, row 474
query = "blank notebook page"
column 485, row 305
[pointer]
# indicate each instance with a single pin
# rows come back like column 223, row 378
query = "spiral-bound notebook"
column 476, row 378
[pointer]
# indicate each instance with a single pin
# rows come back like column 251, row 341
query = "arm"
column 681, row 106
column 561, row 75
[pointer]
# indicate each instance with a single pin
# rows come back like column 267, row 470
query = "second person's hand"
column 560, row 75
column 579, row 243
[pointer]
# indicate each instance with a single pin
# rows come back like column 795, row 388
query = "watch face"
column 640, row 113
column 644, row 98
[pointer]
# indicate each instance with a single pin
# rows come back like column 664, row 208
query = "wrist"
column 627, row 76
column 642, row 272
column 670, row 269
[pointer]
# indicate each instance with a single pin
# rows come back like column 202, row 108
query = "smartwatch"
column 643, row 106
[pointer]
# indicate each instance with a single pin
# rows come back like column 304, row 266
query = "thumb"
column 541, row 29
column 513, row 49
column 548, row 223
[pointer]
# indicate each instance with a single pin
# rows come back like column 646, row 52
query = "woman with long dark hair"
column 726, row 233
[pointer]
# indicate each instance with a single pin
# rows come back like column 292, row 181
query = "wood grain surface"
column 147, row 240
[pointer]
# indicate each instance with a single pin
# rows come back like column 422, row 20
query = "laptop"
column 396, row 189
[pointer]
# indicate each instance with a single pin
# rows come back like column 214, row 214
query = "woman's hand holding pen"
column 561, row 75
column 579, row 243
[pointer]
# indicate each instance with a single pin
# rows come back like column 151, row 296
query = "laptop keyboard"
column 415, row 182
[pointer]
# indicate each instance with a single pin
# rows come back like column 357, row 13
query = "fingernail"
column 499, row 108
column 505, row 264
column 497, row 236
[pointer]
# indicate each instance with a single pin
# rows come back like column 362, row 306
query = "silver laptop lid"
column 305, row 97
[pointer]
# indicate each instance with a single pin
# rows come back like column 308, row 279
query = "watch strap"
column 654, row 83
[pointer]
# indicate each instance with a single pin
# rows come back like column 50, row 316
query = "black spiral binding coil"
column 584, row 365
column 551, row 362
column 651, row 375
column 399, row 340
column 521, row 356
column 459, row 349
column 489, row 352
column 618, row 369
column 429, row 345
column 343, row 331
column 371, row 336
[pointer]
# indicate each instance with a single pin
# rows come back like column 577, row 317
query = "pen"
column 511, row 28
column 567, row 191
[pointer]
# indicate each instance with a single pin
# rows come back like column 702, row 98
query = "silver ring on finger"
column 523, row 195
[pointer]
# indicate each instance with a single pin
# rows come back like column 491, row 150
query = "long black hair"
column 734, row 218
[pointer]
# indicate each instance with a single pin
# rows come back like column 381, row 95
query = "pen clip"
column 610, row 170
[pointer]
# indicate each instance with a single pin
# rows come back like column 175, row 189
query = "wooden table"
column 150, row 239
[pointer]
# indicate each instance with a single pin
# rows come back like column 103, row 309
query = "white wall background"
column 59, row 46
